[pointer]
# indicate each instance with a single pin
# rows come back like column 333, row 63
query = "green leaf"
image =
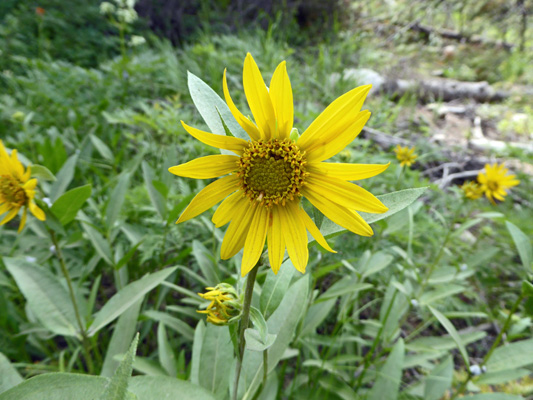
column 172, row 322
column 122, row 335
column 316, row 314
column 163, row 387
column 102, row 148
column 395, row 201
column 444, row 291
column 47, row 297
column 523, row 245
column 199, row 335
column 499, row 377
column 439, row 380
column 58, row 386
column 42, row 173
column 493, row 396
column 9, row 376
column 527, row 288
column 256, row 342
column 118, row 386
column 122, row 300
column 511, row 356
column 205, row 262
column 157, row 199
column 99, row 243
column 64, row 177
column 166, row 355
column 116, row 199
column 67, row 206
column 453, row 333
column 259, row 322
column 212, row 108
column 274, row 289
column 443, row 343
column 389, row 377
column 342, row 287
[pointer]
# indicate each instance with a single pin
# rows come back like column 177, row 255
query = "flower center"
column 493, row 186
column 11, row 191
column 272, row 171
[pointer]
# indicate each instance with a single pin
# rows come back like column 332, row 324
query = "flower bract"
column 17, row 190
column 405, row 155
column 495, row 181
column 263, row 182
column 472, row 190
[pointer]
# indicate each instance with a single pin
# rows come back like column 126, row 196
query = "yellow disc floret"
column 272, row 171
column 11, row 191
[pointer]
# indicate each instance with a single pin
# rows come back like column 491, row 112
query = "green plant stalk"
column 245, row 320
column 370, row 353
column 495, row 344
column 64, row 270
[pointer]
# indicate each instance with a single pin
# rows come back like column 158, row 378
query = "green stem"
column 369, row 355
column 495, row 344
column 245, row 320
column 85, row 339
column 265, row 367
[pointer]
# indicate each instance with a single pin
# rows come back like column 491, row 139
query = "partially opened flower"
column 16, row 189
column 405, row 155
column 495, row 182
column 225, row 306
column 265, row 180
column 472, row 190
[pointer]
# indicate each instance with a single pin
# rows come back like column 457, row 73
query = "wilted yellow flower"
column 16, row 189
column 472, row 190
column 405, row 155
column 495, row 182
column 269, row 174
column 225, row 306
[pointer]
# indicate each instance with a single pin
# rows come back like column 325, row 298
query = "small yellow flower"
column 17, row 190
column 269, row 174
column 472, row 190
column 495, row 182
column 405, row 155
column 225, row 306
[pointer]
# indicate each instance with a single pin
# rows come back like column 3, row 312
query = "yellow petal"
column 314, row 231
column 5, row 207
column 30, row 185
column 336, row 118
column 36, row 211
column 16, row 165
column 27, row 174
column 275, row 241
column 332, row 142
column 206, row 167
column 295, row 235
column 258, row 98
column 23, row 219
column 347, row 172
column 209, row 196
column 344, row 193
column 281, row 95
column 235, row 235
column 10, row 215
column 255, row 240
column 219, row 141
column 338, row 214
column 227, row 209
column 244, row 122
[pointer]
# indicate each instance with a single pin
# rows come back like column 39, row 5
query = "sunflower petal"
column 10, row 215
column 336, row 118
column 5, row 207
column 281, row 95
column 226, row 210
column 314, row 231
column 275, row 241
column 255, row 240
column 36, row 211
column 332, row 142
column 23, row 219
column 30, row 185
column 219, row 141
column 235, row 236
column 209, row 196
column 344, row 193
column 258, row 98
column 347, row 172
column 340, row 215
column 206, row 167
column 295, row 236
column 244, row 122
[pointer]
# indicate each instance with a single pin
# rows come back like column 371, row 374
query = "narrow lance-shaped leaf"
column 453, row 333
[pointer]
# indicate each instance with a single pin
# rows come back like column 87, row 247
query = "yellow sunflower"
column 495, row 182
column 472, row 190
column 265, row 180
column 16, row 189
column 405, row 155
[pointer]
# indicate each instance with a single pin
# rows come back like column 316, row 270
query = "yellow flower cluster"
column 405, row 155
column 225, row 306
column 17, row 190
column 494, row 183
